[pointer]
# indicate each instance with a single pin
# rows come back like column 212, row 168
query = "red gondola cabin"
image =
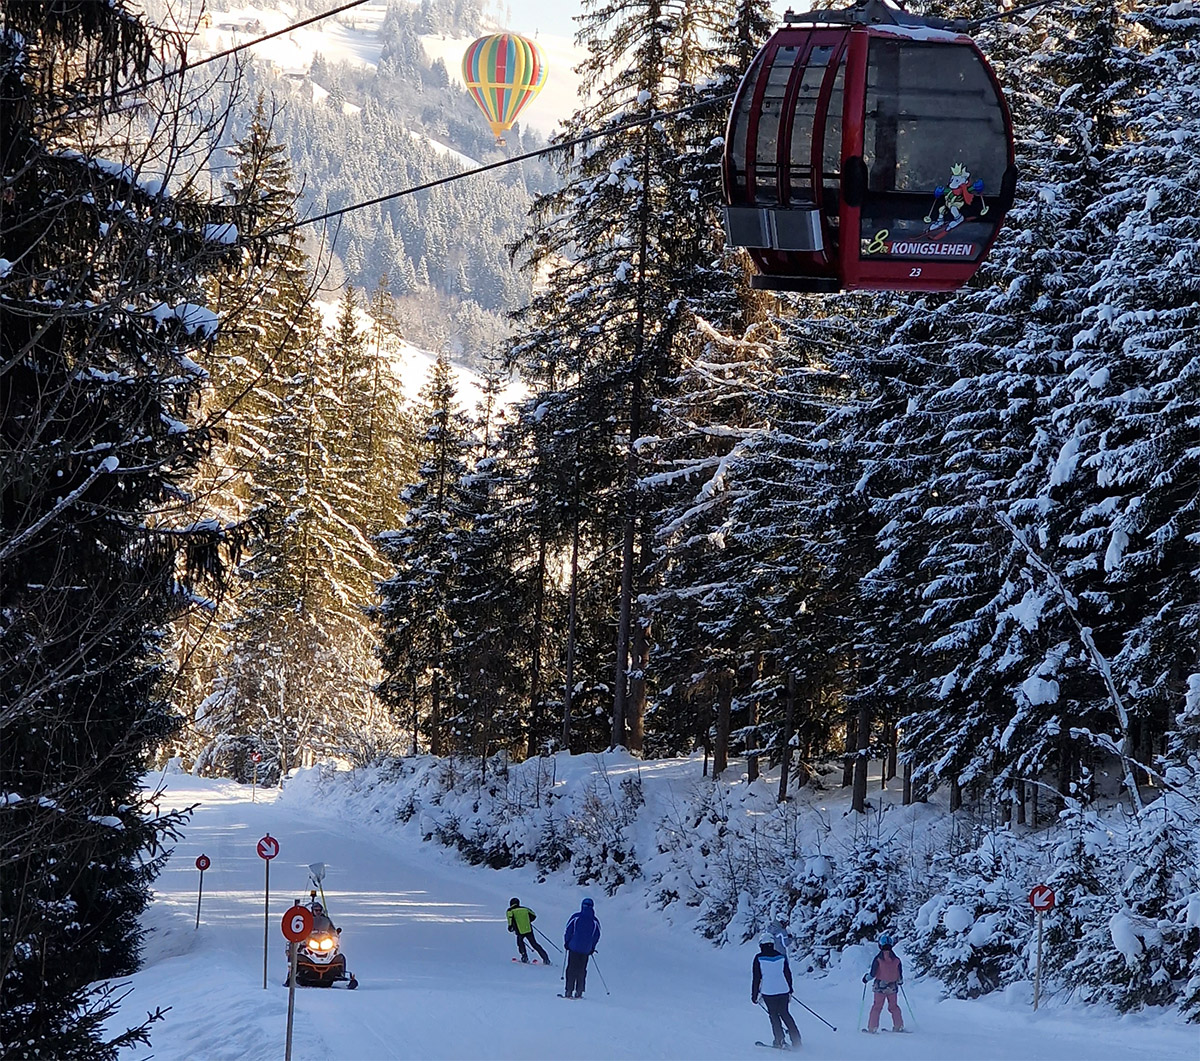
column 867, row 149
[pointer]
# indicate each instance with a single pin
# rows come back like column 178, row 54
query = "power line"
column 595, row 134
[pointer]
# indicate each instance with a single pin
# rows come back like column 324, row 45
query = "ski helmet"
column 514, row 901
column 886, row 940
column 318, row 908
column 766, row 938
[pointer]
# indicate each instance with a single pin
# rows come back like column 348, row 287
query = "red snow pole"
column 268, row 848
column 202, row 863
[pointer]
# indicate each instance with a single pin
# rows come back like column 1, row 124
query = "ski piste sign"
column 1042, row 898
column 268, row 847
column 202, row 863
column 297, row 924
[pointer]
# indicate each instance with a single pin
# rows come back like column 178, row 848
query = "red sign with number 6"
column 297, row 924
column 202, row 863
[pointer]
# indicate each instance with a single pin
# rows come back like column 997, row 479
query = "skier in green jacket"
column 520, row 921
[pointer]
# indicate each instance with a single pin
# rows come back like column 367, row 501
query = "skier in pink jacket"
column 888, row 972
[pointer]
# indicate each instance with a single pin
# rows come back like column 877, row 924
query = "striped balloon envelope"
column 503, row 72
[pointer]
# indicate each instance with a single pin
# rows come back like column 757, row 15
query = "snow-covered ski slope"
column 425, row 935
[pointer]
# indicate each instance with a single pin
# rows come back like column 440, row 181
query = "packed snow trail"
column 425, row 935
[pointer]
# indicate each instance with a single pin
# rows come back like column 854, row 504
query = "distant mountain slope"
column 370, row 104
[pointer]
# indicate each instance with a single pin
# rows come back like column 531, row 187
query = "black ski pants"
column 777, row 1010
column 521, row 938
column 576, row 973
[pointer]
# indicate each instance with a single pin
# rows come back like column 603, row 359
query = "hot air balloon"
column 503, row 72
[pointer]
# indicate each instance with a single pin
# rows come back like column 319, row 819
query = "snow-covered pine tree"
column 1131, row 400
column 974, row 932
column 1150, row 946
column 307, row 581
column 105, row 249
column 618, row 243
column 1084, row 875
column 485, row 672
column 414, row 629
column 971, row 449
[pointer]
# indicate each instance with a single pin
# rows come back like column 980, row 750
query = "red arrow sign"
column 1041, row 898
column 297, row 924
column 268, row 847
column 256, row 757
column 202, row 863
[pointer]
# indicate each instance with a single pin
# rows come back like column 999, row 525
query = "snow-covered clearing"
column 425, row 935
column 351, row 38
column 412, row 365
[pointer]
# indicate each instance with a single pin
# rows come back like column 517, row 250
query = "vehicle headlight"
column 313, row 944
column 327, row 943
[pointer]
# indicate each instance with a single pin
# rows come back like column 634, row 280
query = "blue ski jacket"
column 583, row 930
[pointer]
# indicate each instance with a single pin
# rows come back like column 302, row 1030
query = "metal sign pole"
column 294, row 952
column 199, row 897
column 1037, row 981
column 254, row 785
column 266, row 920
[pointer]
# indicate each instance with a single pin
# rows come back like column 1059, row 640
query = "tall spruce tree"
column 105, row 248
column 412, row 611
column 620, row 238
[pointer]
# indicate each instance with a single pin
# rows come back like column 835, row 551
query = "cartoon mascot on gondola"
column 959, row 194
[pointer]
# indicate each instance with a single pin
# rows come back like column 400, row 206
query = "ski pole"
column 601, row 975
column 862, row 1002
column 815, row 1014
column 545, row 937
column 909, row 1005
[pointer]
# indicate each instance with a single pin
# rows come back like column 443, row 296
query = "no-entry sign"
column 1042, row 898
column 268, row 847
column 202, row 863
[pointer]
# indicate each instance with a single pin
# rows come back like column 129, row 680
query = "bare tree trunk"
column 1020, row 802
column 858, row 800
column 637, row 688
column 435, row 715
column 955, row 795
column 851, row 745
column 535, row 668
column 892, row 753
column 1033, row 804
column 907, row 797
column 415, row 715
column 724, row 711
column 572, row 612
column 621, row 690
column 789, row 717
column 752, row 756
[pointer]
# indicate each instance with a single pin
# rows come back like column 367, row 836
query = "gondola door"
column 935, row 176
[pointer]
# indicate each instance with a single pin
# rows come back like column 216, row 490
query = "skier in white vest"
column 773, row 980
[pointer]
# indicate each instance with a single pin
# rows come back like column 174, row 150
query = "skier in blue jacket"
column 579, row 939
